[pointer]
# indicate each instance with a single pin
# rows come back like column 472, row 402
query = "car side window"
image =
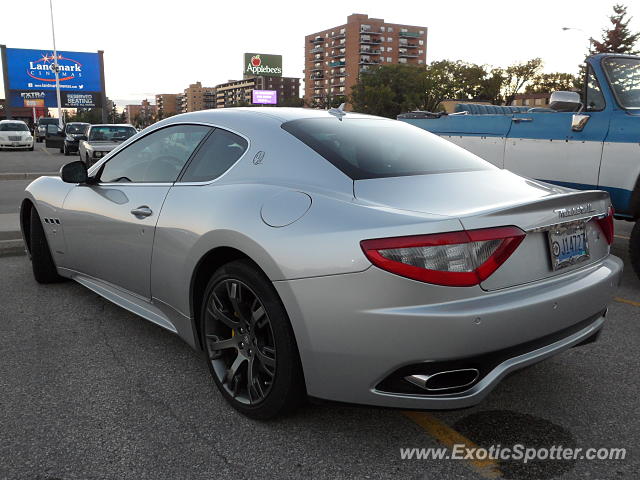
column 595, row 99
column 158, row 157
column 218, row 153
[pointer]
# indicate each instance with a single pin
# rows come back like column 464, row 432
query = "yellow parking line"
column 45, row 150
column 628, row 302
column 447, row 436
column 622, row 237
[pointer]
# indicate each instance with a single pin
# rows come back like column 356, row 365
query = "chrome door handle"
column 519, row 120
column 141, row 212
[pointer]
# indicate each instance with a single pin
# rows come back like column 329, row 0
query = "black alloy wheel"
column 250, row 347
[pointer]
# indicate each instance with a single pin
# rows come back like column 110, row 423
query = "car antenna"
column 338, row 112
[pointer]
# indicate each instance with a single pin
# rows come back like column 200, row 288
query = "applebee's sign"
column 260, row 64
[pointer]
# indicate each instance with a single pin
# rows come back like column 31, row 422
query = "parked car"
column 337, row 255
column 15, row 134
column 67, row 139
column 101, row 139
column 40, row 131
column 588, row 140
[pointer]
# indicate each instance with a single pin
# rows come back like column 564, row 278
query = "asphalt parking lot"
column 90, row 391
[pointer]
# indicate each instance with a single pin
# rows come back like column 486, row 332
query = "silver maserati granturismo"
column 329, row 254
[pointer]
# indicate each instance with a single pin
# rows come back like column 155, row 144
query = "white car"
column 15, row 134
column 101, row 139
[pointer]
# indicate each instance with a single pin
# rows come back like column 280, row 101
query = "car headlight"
column 28, row 138
column 70, row 139
column 97, row 154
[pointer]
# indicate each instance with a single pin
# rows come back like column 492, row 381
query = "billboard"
column 47, row 98
column 264, row 97
column 261, row 64
column 31, row 79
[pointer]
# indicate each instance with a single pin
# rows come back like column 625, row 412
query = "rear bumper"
column 356, row 330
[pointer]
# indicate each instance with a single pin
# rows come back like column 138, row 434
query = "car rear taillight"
column 460, row 259
column 606, row 224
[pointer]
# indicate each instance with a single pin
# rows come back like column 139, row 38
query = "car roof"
column 283, row 114
column 78, row 123
column 13, row 121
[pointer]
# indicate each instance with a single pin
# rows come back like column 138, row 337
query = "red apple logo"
column 255, row 60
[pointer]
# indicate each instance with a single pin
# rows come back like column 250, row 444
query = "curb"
column 9, row 248
column 26, row 176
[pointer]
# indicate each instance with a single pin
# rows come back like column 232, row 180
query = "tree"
column 388, row 90
column 89, row 115
column 553, row 82
column 516, row 76
column 618, row 38
column 291, row 102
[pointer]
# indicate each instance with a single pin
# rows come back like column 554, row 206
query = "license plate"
column 15, row 144
column 568, row 245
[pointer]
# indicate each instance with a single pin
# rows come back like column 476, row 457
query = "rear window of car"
column 110, row 134
column 13, row 127
column 377, row 148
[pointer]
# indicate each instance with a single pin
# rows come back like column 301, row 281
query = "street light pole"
column 55, row 66
column 591, row 39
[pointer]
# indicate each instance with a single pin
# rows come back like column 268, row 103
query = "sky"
column 161, row 47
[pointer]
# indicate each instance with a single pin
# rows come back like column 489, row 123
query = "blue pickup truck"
column 588, row 140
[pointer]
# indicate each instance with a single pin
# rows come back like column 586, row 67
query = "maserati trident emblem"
column 577, row 210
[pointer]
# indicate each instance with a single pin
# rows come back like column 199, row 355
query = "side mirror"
column 74, row 172
column 565, row 101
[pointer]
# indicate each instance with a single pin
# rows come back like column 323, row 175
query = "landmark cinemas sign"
column 262, row 65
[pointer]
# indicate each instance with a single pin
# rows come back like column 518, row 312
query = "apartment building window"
column 421, row 32
column 402, row 60
column 389, row 39
column 388, row 59
column 420, row 42
column 342, row 30
column 389, row 49
column 403, row 30
column 420, row 52
column 390, row 29
column 420, row 61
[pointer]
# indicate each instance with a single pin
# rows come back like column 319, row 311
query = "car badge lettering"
column 573, row 211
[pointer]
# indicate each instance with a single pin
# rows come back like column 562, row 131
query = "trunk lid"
column 497, row 198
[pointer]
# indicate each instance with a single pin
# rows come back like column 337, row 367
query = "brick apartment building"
column 143, row 114
column 196, row 97
column 166, row 104
column 237, row 92
column 335, row 57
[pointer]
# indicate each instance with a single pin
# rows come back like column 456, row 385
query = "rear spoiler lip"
column 598, row 200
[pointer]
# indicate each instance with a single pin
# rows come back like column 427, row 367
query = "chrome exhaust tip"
column 445, row 380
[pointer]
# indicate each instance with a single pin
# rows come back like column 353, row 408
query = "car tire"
column 65, row 150
column 86, row 160
column 61, row 149
column 264, row 344
column 31, row 149
column 44, row 270
column 634, row 248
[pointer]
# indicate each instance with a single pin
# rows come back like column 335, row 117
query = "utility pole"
column 55, row 66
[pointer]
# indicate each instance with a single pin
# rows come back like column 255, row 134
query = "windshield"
column 624, row 75
column 47, row 121
column 111, row 134
column 74, row 129
column 376, row 148
column 13, row 127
